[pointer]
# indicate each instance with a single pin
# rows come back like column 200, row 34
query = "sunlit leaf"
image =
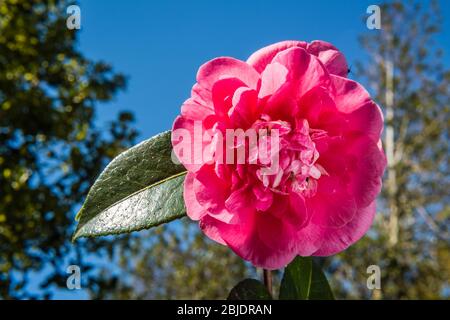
column 139, row 189
column 303, row 279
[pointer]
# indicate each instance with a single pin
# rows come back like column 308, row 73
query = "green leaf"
column 303, row 279
column 320, row 288
column 249, row 289
column 140, row 188
column 296, row 281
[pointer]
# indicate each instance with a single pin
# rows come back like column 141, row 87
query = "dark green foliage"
column 249, row 289
column 50, row 150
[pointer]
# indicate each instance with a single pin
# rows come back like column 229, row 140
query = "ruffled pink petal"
column 226, row 67
column 251, row 240
column 283, row 103
column 367, row 120
column 318, row 107
column 331, row 57
column 211, row 193
column 272, row 78
column 349, row 95
column 195, row 111
column 245, row 108
column 305, row 70
column 183, row 137
column 359, row 167
column 210, row 227
column 241, row 203
column 183, row 145
column 298, row 214
column 275, row 233
column 222, row 94
column 309, row 240
column 332, row 206
column 201, row 95
column 264, row 197
column 365, row 178
column 194, row 209
column 335, row 240
column 291, row 209
column 261, row 58
column 361, row 113
column 296, row 61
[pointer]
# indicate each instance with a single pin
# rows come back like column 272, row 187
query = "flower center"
column 292, row 166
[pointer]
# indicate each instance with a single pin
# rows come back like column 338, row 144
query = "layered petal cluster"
column 321, row 197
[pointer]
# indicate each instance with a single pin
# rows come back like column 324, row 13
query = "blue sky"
column 159, row 45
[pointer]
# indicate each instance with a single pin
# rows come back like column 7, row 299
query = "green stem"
column 267, row 275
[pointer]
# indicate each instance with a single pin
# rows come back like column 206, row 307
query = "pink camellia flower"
column 320, row 198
